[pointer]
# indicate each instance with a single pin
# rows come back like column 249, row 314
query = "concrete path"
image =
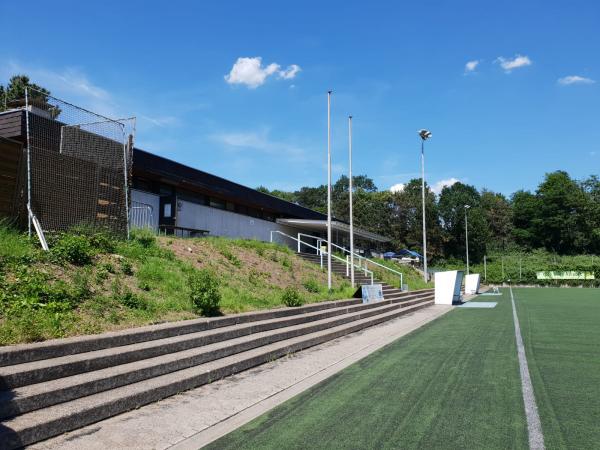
column 195, row 418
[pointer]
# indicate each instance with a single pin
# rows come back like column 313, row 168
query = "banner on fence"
column 567, row 275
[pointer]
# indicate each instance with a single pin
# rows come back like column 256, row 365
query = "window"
column 167, row 210
column 216, row 203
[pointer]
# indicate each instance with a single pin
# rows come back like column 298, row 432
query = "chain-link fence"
column 78, row 165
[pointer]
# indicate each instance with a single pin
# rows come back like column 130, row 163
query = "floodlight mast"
column 424, row 134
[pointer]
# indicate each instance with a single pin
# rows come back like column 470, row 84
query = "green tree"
column 498, row 214
column 15, row 92
column 562, row 209
column 452, row 214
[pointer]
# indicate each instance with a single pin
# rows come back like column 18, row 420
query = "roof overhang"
column 321, row 225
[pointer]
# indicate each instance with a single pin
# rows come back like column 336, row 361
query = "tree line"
column 561, row 216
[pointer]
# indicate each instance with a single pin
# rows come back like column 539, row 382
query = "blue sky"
column 530, row 104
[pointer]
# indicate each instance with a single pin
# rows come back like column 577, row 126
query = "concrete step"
column 44, row 423
column 53, row 368
column 34, row 396
column 17, row 354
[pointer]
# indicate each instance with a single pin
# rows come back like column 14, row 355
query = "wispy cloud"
column 251, row 73
column 439, row 185
column 471, row 66
column 574, row 79
column 509, row 64
column 262, row 142
column 75, row 86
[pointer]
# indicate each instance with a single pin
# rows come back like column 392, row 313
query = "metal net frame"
column 78, row 166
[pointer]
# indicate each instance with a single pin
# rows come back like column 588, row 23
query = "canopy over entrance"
column 320, row 226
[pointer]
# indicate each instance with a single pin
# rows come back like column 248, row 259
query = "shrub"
column 312, row 286
column 73, row 249
column 291, row 297
column 133, row 301
column 231, row 257
column 145, row 238
column 126, row 267
column 100, row 239
column 204, row 292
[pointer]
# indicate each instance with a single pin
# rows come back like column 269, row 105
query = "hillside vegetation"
column 522, row 267
column 91, row 282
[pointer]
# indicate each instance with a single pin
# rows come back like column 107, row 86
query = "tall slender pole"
column 28, row 162
column 350, row 200
column 425, row 275
column 467, row 237
column 329, row 189
column 485, row 268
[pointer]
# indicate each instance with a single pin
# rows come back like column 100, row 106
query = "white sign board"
column 472, row 284
column 372, row 293
column 447, row 287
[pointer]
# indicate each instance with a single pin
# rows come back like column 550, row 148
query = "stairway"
column 57, row 386
column 339, row 268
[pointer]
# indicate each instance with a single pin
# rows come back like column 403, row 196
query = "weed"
column 231, row 257
column 73, row 249
column 291, row 297
column 204, row 292
column 126, row 267
column 312, row 286
column 133, row 301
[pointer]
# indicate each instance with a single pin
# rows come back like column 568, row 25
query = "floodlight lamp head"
column 425, row 134
column 467, row 206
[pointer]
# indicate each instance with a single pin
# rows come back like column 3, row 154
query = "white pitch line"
column 534, row 426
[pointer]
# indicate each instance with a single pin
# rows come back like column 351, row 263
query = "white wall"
column 226, row 223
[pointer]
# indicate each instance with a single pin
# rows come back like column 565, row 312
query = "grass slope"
column 451, row 384
column 561, row 334
column 91, row 283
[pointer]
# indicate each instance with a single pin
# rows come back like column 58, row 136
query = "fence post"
column 347, row 265
column 520, row 268
column 485, row 268
column 298, row 242
column 503, row 269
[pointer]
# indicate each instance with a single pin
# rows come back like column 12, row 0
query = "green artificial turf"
column 561, row 333
column 453, row 383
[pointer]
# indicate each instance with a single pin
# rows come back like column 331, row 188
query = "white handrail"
column 299, row 241
column 360, row 257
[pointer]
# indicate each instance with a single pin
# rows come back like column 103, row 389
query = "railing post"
column 347, row 265
column 298, row 242
column 366, row 271
column 321, row 259
column 371, row 277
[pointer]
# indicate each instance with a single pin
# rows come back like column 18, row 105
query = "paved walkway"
column 195, row 418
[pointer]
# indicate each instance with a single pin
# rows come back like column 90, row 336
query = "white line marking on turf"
column 534, row 426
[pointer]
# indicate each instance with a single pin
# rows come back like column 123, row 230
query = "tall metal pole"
column 467, row 237
column 350, row 200
column 329, row 189
column 485, row 268
column 425, row 274
column 28, row 162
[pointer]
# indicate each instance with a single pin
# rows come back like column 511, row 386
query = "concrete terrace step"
column 44, row 423
column 16, row 354
column 33, row 396
column 52, row 368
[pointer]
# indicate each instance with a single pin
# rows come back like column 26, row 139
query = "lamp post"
column 329, row 189
column 467, row 235
column 424, row 134
column 350, row 200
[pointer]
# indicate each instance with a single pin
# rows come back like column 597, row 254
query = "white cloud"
column 260, row 141
column 398, row 187
column 290, row 72
column 470, row 66
column 250, row 72
column 438, row 186
column 575, row 79
column 517, row 62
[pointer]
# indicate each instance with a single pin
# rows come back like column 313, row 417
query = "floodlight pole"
column 329, row 189
column 28, row 162
column 425, row 274
column 467, row 236
column 350, row 200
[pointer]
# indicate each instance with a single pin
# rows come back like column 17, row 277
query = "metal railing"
column 141, row 215
column 300, row 242
column 362, row 261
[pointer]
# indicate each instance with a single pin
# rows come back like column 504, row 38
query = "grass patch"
column 452, row 384
column 92, row 282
